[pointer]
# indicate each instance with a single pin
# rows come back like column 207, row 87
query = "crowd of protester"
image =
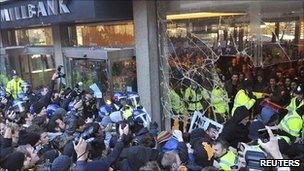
column 59, row 128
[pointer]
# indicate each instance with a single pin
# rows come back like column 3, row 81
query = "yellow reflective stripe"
column 287, row 139
column 228, row 160
column 286, row 127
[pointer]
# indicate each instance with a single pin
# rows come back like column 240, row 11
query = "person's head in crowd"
column 14, row 161
column 62, row 163
column 26, row 87
column 260, row 78
column 15, row 75
column 242, row 77
column 41, row 121
column 55, row 98
column 150, row 166
column 299, row 93
column 56, row 124
column 171, row 161
column 279, row 74
column 272, row 82
column 212, row 131
column 80, row 124
column 234, row 78
column 148, row 141
column 244, row 68
column 287, row 82
column 31, row 156
column 44, row 90
column 302, row 73
column 220, row 148
column 28, row 138
column 293, row 85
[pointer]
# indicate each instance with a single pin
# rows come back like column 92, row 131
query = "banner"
column 97, row 91
column 200, row 121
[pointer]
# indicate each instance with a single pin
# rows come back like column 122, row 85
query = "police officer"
column 14, row 86
column 297, row 101
column 291, row 125
column 194, row 95
column 224, row 158
column 178, row 109
column 244, row 97
column 220, row 103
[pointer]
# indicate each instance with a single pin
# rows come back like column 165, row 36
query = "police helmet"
column 133, row 98
column 141, row 117
column 117, row 97
column 51, row 108
column 300, row 90
column 104, row 110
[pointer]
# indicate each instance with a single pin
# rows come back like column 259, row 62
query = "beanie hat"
column 13, row 161
column 28, row 138
column 164, row 136
column 62, row 163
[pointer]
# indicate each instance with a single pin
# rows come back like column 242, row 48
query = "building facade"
column 134, row 45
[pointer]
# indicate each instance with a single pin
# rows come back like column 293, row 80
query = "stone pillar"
column 147, row 57
column 58, row 55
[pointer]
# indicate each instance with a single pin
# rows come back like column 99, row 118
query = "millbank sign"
column 41, row 9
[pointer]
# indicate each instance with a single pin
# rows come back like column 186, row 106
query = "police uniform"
column 228, row 161
column 242, row 99
column 178, row 108
column 219, row 103
column 14, row 87
column 291, row 125
column 194, row 98
column 294, row 105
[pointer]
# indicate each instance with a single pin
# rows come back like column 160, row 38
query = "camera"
column 77, row 88
column 17, row 117
column 87, row 135
column 60, row 74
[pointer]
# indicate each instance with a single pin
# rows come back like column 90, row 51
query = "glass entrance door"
column 110, row 76
column 88, row 72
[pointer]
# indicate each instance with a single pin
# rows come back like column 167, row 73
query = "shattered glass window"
column 203, row 42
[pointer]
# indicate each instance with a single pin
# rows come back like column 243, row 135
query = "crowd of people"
column 62, row 128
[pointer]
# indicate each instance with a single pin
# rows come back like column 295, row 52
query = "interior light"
column 200, row 15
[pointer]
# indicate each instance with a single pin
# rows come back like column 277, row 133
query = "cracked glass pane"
column 203, row 42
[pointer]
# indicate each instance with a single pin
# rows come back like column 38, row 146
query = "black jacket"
column 45, row 100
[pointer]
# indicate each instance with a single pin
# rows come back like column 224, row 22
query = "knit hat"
column 28, row 138
column 164, row 136
column 62, row 163
column 13, row 161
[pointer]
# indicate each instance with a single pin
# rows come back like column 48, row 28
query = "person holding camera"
column 45, row 100
column 104, row 163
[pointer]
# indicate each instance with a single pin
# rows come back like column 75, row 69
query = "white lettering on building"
column 52, row 7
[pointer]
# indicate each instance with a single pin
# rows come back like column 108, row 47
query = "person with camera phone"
column 103, row 164
column 43, row 102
